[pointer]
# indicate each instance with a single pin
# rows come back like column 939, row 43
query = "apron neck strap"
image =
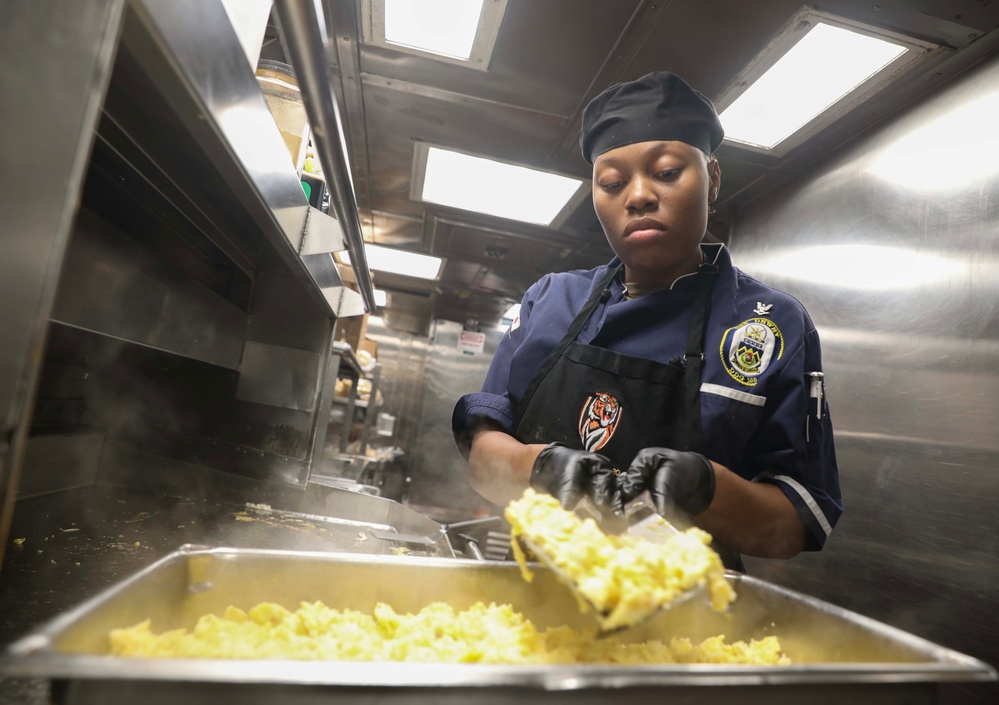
column 706, row 275
column 701, row 309
column 574, row 328
column 600, row 291
column 694, row 359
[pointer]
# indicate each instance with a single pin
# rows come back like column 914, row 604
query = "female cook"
column 668, row 365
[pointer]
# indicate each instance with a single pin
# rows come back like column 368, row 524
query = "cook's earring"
column 712, row 211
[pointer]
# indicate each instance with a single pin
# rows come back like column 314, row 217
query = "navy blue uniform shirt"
column 760, row 344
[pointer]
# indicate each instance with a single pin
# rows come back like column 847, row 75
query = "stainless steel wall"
column 402, row 357
column 893, row 246
column 440, row 484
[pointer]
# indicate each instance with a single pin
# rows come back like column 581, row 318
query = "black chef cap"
column 658, row 106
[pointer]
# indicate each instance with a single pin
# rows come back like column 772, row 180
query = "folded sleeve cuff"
column 472, row 407
column 818, row 512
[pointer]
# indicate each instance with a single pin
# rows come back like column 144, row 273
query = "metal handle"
column 474, row 522
column 304, row 29
column 473, row 547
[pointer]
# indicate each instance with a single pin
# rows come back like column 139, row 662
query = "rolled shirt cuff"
column 819, row 514
column 472, row 407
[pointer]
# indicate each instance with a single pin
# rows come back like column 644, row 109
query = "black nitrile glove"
column 569, row 475
column 673, row 478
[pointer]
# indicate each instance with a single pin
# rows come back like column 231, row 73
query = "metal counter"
column 837, row 654
column 79, row 542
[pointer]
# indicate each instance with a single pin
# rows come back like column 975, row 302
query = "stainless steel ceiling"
column 550, row 58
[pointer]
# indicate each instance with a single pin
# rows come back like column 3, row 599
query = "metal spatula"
column 646, row 525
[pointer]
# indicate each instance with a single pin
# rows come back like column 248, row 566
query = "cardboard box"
column 352, row 330
column 370, row 346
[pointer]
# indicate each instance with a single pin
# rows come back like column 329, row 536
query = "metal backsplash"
column 179, row 316
column 892, row 247
column 37, row 204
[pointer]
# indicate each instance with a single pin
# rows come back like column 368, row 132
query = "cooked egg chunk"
column 623, row 577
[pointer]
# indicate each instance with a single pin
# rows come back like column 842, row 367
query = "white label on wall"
column 471, row 342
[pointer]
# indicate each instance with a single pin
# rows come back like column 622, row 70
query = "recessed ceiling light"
column 824, row 66
column 410, row 264
column 381, row 297
column 445, row 27
column 456, row 31
column 495, row 188
column 819, row 68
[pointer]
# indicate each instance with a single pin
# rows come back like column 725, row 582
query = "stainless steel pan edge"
column 35, row 655
column 56, row 666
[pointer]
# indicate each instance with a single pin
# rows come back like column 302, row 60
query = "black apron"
column 591, row 398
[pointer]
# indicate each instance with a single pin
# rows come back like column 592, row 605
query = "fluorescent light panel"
column 444, row 27
column 381, row 297
column 410, row 264
column 495, row 188
column 459, row 32
column 825, row 65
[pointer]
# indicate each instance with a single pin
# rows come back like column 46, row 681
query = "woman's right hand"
column 569, row 475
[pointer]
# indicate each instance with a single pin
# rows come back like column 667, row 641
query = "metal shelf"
column 348, row 361
column 358, row 403
column 345, row 401
column 304, row 29
column 352, row 404
column 187, row 52
column 154, row 120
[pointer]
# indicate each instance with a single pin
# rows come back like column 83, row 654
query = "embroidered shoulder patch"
column 748, row 349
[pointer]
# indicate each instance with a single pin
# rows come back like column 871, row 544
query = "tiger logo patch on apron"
column 598, row 420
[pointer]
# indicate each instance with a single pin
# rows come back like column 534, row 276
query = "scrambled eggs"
column 624, row 578
column 481, row 634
